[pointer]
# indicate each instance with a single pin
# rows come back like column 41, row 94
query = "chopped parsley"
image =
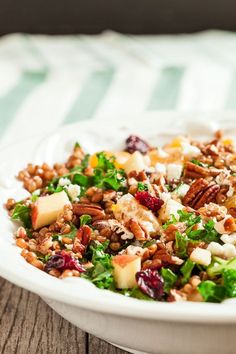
column 186, row 270
column 199, row 163
column 142, row 187
column 85, row 219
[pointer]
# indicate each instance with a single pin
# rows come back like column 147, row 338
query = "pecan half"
column 208, row 196
column 200, row 193
column 90, row 209
column 82, row 239
column 198, row 186
column 194, row 171
column 136, row 229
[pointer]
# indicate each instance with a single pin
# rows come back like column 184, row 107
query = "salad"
column 153, row 223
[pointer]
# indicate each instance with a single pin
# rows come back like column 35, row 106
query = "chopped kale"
column 22, row 213
column 101, row 272
column 169, row 278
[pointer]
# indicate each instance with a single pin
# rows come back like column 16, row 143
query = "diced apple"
column 171, row 207
column 46, row 209
column 135, row 163
column 125, row 268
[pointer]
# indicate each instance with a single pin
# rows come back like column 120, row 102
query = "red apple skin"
column 34, row 215
column 123, row 259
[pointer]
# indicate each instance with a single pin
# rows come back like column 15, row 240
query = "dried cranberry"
column 134, row 143
column 146, row 199
column 62, row 261
column 150, row 283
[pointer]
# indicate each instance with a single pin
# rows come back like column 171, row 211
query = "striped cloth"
column 49, row 81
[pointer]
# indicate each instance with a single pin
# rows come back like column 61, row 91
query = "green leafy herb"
column 43, row 258
column 199, row 163
column 22, row 213
column 190, row 218
column 77, row 145
column 101, row 272
column 229, row 278
column 186, row 270
column 80, row 179
column 136, row 293
column 181, row 243
column 105, row 163
column 142, row 187
column 71, row 234
column 35, row 195
column 149, row 243
column 85, row 219
column 219, row 265
column 171, row 221
column 169, row 278
column 211, row 292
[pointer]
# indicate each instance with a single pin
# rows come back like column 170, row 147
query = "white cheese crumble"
column 73, row 191
column 201, row 256
column 189, row 150
column 161, row 153
column 231, row 239
column 226, row 251
column 182, row 190
column 174, row 171
column 160, row 168
column 63, row 181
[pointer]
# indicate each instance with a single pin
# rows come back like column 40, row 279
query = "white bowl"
column 143, row 326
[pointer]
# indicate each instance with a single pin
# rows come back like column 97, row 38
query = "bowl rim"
column 96, row 299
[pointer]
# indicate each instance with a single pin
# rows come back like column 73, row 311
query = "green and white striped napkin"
column 49, row 81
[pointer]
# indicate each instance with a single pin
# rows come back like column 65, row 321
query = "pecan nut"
column 208, row 196
column 200, row 193
column 82, row 239
column 136, row 229
column 194, row 171
column 198, row 186
column 95, row 211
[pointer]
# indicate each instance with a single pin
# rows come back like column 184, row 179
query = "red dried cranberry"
column 134, row 143
column 150, row 283
column 62, row 261
column 146, row 199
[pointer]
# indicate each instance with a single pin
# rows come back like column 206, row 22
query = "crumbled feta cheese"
column 182, row 190
column 161, row 153
column 226, row 251
column 229, row 250
column 190, row 151
column 201, row 256
column 160, row 168
column 165, row 196
column 174, row 171
column 73, row 191
column 229, row 238
column 216, row 249
column 64, row 182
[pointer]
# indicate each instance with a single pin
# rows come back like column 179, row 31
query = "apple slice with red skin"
column 46, row 209
column 125, row 269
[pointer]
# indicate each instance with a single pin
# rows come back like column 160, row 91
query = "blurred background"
column 65, row 61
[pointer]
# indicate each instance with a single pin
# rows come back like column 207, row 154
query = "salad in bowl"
column 153, row 223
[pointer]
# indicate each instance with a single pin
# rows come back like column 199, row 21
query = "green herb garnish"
column 85, row 219
column 186, row 270
column 142, row 187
